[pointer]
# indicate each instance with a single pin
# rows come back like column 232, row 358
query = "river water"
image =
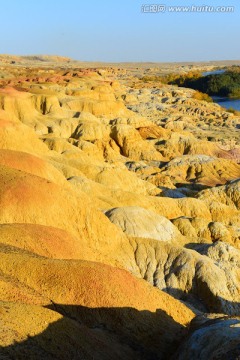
column 223, row 101
column 215, row 72
column 227, row 103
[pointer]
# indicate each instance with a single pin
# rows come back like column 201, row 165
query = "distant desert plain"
column 119, row 213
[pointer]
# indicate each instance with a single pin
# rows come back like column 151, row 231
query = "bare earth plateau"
column 119, row 214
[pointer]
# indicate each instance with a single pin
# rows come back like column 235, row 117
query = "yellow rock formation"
column 119, row 214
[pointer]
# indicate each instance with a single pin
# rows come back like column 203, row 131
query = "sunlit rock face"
column 119, row 216
column 224, row 332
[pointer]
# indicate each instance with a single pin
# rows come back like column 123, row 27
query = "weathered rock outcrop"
column 206, row 276
column 139, row 222
column 119, row 216
column 223, row 333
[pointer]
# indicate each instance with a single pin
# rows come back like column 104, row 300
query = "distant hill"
column 8, row 59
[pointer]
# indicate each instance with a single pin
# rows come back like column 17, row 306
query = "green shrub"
column 226, row 84
column 198, row 95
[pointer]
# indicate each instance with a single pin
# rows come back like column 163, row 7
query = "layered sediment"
column 119, row 217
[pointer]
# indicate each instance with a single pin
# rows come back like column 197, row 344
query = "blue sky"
column 104, row 30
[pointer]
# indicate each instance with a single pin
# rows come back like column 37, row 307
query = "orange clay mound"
column 42, row 240
column 102, row 296
column 26, row 198
column 17, row 136
column 31, row 164
column 38, row 333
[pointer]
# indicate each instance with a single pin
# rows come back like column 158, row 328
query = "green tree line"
column 226, row 84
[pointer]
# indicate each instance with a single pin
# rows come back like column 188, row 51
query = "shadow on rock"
column 99, row 334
